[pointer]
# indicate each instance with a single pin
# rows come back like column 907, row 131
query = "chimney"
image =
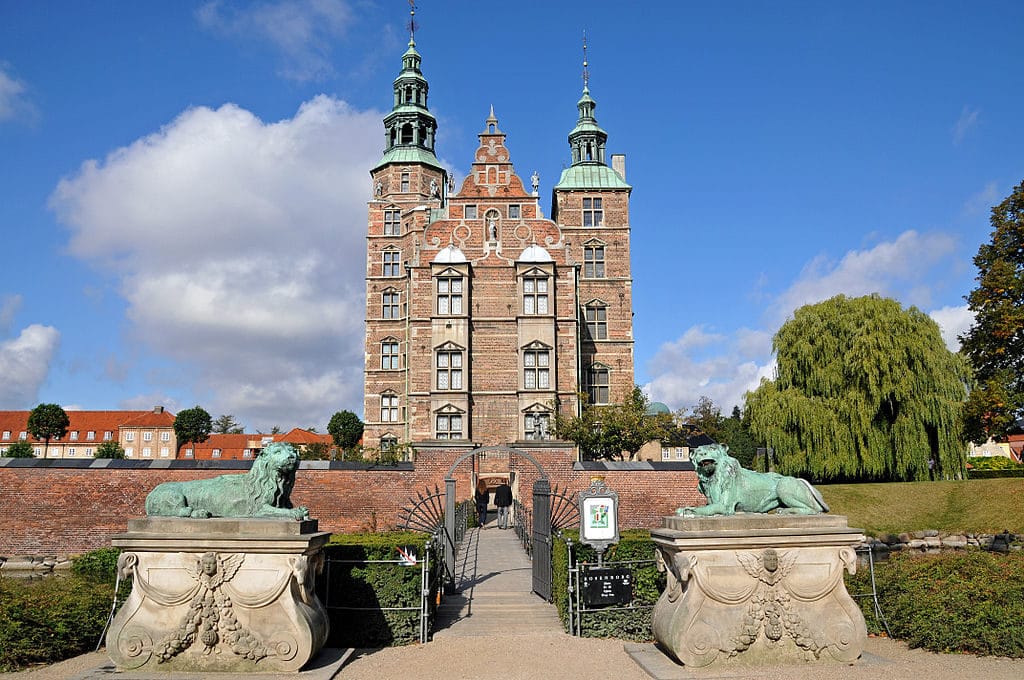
column 158, row 409
column 619, row 164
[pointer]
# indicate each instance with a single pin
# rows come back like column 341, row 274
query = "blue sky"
column 183, row 185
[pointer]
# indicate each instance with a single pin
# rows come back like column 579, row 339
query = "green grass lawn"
column 974, row 506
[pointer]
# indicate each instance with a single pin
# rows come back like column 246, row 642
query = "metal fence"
column 522, row 518
column 576, row 606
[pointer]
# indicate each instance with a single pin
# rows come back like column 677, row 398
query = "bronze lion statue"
column 264, row 491
column 730, row 488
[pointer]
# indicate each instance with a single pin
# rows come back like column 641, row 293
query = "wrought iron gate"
column 542, row 538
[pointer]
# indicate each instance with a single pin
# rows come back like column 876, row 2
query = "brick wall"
column 59, row 508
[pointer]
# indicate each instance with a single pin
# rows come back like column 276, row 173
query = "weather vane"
column 412, row 21
column 586, row 73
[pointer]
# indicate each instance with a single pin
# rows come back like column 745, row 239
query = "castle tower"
column 476, row 307
column 590, row 203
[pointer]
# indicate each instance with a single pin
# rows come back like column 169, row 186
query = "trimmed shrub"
column 48, row 620
column 357, row 576
column 648, row 582
column 964, row 601
column 99, row 565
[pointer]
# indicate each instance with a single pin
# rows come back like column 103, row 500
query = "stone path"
column 494, row 597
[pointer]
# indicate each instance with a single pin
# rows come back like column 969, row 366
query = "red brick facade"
column 56, row 508
column 482, row 315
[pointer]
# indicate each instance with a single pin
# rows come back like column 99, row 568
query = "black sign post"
column 607, row 586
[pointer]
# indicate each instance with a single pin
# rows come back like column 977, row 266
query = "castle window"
column 392, row 223
column 535, row 295
column 449, row 369
column 449, row 295
column 470, row 212
column 391, row 264
column 513, row 212
column 597, row 384
column 593, row 212
column 389, row 355
column 536, row 369
column 449, row 425
column 405, row 175
column 389, row 408
column 387, row 442
column 593, row 262
column 597, row 322
column 389, row 304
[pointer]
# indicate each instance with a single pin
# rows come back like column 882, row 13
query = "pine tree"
column 864, row 390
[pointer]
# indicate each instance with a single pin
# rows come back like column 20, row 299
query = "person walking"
column 482, row 497
column 503, row 499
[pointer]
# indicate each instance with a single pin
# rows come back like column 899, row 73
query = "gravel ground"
column 560, row 657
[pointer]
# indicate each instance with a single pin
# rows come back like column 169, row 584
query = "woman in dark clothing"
column 482, row 498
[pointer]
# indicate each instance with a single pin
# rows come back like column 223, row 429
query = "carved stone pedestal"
column 755, row 589
column 219, row 595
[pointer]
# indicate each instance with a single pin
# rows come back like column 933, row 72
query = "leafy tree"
column 226, row 424
column 864, row 390
column 735, row 433
column 46, row 422
column 706, row 417
column 193, row 425
column 346, row 429
column 20, row 449
column 109, row 449
column 605, row 432
column 315, row 451
column 994, row 344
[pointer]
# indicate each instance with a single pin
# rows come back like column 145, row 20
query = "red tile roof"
column 83, row 422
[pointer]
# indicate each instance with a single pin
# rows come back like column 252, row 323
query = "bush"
column 354, row 580
column 969, row 601
column 99, row 565
column 628, row 624
column 993, row 463
column 996, row 473
column 45, row 621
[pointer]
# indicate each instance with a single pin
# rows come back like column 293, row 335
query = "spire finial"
column 586, row 71
column 412, row 22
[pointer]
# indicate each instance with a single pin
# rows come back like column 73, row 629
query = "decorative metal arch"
column 497, row 447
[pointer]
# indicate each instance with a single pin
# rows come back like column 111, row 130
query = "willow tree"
column 864, row 390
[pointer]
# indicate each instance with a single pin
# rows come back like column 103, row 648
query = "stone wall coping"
column 632, row 465
column 188, row 464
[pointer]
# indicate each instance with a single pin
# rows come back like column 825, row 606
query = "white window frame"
column 537, row 368
column 449, row 425
column 73, row 435
column 147, row 436
column 450, row 294
column 129, row 436
column 536, row 289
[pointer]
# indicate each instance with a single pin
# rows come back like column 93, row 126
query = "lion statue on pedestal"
column 264, row 491
column 730, row 488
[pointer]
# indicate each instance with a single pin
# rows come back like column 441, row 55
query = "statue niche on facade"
column 730, row 488
column 264, row 491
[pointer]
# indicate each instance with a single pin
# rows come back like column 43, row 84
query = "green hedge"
column 49, row 620
column 964, row 601
column 351, row 579
column 647, row 585
column 995, row 474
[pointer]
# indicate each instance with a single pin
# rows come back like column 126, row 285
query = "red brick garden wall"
column 56, row 509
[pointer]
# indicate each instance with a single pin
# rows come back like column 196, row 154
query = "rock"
column 956, row 542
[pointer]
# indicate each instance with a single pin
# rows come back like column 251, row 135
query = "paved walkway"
column 494, row 594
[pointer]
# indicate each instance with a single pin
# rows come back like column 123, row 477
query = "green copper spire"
column 410, row 129
column 587, row 142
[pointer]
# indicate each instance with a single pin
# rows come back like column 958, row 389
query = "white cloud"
column 725, row 365
column 968, row 121
column 9, row 306
column 903, row 269
column 301, row 30
column 13, row 100
column 24, row 365
column 953, row 322
column 241, row 251
column 981, row 202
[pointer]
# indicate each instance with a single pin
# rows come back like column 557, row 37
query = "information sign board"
column 606, row 586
